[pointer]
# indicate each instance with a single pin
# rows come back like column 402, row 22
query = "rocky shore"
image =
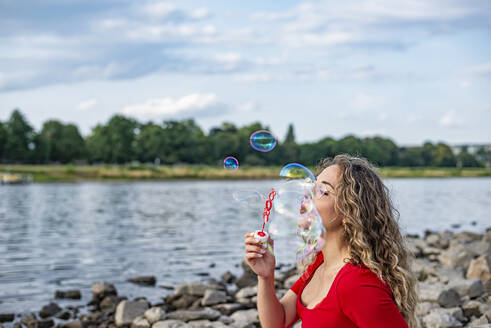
column 453, row 272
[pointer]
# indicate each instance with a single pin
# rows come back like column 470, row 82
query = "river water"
column 68, row 236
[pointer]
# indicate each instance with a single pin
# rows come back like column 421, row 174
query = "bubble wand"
column 260, row 235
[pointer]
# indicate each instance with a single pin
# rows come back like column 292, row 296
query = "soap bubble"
column 231, row 163
column 249, row 198
column 297, row 171
column 262, row 140
column 296, row 217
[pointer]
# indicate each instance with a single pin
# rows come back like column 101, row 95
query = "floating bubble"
column 249, row 198
column 262, row 140
column 297, row 171
column 231, row 163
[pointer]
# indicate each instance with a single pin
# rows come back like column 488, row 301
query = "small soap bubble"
column 231, row 163
column 263, row 141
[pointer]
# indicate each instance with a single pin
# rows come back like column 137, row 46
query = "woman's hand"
column 261, row 260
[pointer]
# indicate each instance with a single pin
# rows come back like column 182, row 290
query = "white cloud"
column 364, row 101
column 449, row 119
column 87, row 104
column 249, row 106
column 195, row 104
column 481, row 69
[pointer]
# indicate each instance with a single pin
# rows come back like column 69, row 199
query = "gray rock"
column 170, row 324
column 73, row 294
column 213, row 297
column 470, row 287
column 109, row 303
column 144, row 280
column 7, row 317
column 457, row 255
column 154, row 314
column 127, row 311
column 228, row 308
column 423, row 308
column 247, row 292
column 472, row 308
column 28, row 319
column 480, row 322
column 188, row 315
column 73, row 324
column 415, row 246
column 103, row 289
column 228, row 277
column 455, row 312
column 49, row 310
column 225, row 319
column 429, row 292
column 440, row 320
column 245, row 318
column 46, row 323
column 449, row 298
column 248, row 278
column 63, row 315
column 140, row 322
column 193, row 288
column 206, row 324
column 480, row 268
column 184, row 301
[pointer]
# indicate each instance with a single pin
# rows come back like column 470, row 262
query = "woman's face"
column 324, row 196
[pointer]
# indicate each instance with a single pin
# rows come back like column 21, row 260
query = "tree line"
column 125, row 140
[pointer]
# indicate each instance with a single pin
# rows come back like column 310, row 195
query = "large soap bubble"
column 262, row 140
column 296, row 216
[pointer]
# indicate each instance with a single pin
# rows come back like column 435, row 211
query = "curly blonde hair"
column 372, row 231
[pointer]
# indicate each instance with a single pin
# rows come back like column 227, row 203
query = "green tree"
column 289, row 148
column 151, row 143
column 222, row 142
column 19, row 140
column 465, row 159
column 186, row 142
column 411, row 156
column 349, row 145
column 443, row 156
column 58, row 142
column 3, row 140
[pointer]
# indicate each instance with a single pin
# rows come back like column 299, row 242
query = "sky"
column 410, row 70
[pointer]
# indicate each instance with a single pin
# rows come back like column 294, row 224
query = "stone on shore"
column 155, row 314
column 7, row 317
column 127, row 311
column 170, row 324
column 103, row 289
column 49, row 310
column 440, row 320
column 212, row 297
column 245, row 318
column 449, row 298
column 140, row 322
column 188, row 315
column 248, row 278
column 73, row 294
column 73, row 324
column 194, row 289
column 228, row 308
column 144, row 280
column 228, row 277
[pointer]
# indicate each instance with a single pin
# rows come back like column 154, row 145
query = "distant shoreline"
column 74, row 173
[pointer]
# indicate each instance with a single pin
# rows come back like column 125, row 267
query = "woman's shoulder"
column 358, row 275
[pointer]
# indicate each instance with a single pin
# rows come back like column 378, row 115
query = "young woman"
column 361, row 276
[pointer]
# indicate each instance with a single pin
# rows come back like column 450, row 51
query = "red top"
column 357, row 298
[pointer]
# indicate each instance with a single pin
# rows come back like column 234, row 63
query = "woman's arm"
column 274, row 313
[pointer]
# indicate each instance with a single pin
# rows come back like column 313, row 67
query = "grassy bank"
column 69, row 173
